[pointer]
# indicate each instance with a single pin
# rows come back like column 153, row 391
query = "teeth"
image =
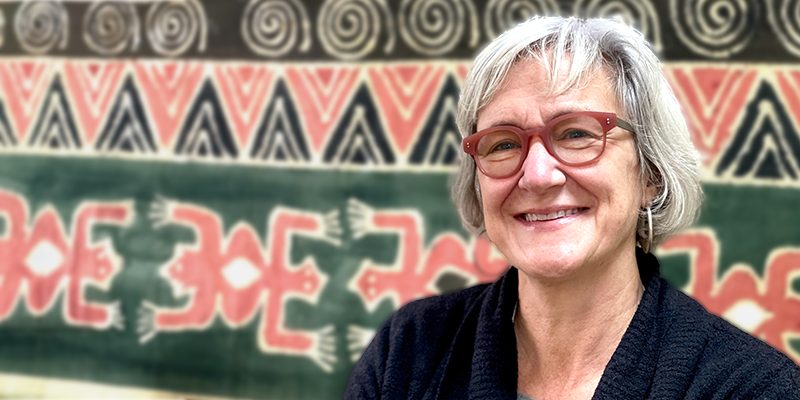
column 552, row 215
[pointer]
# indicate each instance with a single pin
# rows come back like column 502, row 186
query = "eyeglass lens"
column 573, row 140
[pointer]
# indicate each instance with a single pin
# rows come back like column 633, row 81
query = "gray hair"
column 667, row 158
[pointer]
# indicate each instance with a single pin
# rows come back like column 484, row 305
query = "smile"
column 552, row 215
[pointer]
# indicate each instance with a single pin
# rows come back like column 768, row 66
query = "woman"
column 575, row 152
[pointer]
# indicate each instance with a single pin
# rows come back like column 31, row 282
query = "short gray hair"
column 667, row 158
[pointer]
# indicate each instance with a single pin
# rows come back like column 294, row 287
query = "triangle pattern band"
column 55, row 127
column 280, row 137
column 766, row 144
column 127, row 129
column 205, row 132
column 439, row 142
column 360, row 138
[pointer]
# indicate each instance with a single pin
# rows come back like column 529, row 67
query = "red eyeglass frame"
column 608, row 121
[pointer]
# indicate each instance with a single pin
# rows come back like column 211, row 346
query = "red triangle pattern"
column 244, row 89
column 92, row 86
column 461, row 71
column 789, row 84
column 405, row 94
column 322, row 93
column 24, row 84
column 712, row 98
column 168, row 89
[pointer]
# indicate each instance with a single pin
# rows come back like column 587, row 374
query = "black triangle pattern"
column 55, row 128
column 205, row 132
column 769, row 167
column 439, row 142
column 127, row 128
column 7, row 138
column 280, row 136
column 747, row 154
column 359, row 138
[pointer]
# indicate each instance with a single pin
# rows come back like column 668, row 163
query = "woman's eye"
column 504, row 146
column 577, row 134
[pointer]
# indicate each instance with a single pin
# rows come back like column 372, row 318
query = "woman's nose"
column 540, row 170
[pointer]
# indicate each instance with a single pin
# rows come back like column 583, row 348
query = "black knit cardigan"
column 462, row 346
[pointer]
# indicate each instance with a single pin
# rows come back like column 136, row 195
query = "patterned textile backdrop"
column 227, row 198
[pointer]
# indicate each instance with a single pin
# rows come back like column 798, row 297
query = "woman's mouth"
column 552, row 215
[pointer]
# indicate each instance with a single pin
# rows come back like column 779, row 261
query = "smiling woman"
column 575, row 152
column 601, row 182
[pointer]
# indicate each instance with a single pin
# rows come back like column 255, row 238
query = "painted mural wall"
column 227, row 198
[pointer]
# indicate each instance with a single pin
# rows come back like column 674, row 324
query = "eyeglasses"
column 574, row 139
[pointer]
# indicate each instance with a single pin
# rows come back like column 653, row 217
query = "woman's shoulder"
column 434, row 308
column 721, row 355
column 485, row 297
column 686, row 318
column 406, row 358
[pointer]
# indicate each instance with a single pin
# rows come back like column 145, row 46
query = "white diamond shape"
column 44, row 259
column 747, row 315
column 241, row 273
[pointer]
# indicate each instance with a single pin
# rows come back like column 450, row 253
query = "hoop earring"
column 649, row 230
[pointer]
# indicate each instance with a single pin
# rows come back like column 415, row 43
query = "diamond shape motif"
column 44, row 259
column 241, row 273
column 747, row 315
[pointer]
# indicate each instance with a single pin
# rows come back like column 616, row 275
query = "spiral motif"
column 502, row 15
column 715, row 28
column 434, row 27
column 639, row 14
column 784, row 18
column 350, row 29
column 173, row 26
column 109, row 27
column 41, row 25
column 271, row 27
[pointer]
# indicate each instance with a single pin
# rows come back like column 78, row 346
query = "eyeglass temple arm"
column 625, row 125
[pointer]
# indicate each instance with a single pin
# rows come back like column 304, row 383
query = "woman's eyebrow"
column 504, row 121
column 562, row 112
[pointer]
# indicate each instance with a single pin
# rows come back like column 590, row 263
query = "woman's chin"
column 543, row 271
column 554, row 266
column 557, row 262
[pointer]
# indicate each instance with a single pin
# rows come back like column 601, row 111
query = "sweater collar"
column 482, row 360
column 630, row 371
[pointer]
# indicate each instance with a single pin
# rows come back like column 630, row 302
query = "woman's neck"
column 568, row 330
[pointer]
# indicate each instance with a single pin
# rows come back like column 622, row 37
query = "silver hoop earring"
column 649, row 230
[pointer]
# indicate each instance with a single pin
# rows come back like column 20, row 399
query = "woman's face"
column 606, row 194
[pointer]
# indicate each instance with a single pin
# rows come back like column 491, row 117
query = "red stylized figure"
column 38, row 264
column 766, row 308
column 14, row 212
column 233, row 277
column 416, row 269
column 94, row 263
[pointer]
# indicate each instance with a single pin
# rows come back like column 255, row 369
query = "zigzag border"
column 387, row 116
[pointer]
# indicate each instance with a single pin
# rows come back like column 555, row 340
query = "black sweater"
column 462, row 346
